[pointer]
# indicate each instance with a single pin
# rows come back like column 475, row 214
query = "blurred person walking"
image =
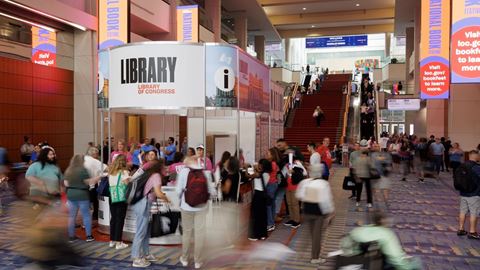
column 44, row 175
column 456, row 156
column 260, row 200
column 361, row 170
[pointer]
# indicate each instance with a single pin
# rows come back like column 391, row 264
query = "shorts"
column 470, row 205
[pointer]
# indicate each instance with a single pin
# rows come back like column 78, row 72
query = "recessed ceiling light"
column 357, row 5
column 313, row 26
column 304, row 8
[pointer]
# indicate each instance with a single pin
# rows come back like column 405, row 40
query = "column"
column 241, row 30
column 388, row 42
column 409, row 49
column 172, row 36
column 286, row 48
column 260, row 48
column 437, row 118
column 213, row 9
column 85, row 84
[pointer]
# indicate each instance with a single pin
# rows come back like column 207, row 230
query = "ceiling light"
column 28, row 22
column 357, row 5
column 313, row 26
column 304, row 8
column 46, row 15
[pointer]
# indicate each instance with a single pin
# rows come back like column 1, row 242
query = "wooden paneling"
column 36, row 101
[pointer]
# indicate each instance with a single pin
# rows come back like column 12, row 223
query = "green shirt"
column 50, row 174
column 77, row 190
column 388, row 243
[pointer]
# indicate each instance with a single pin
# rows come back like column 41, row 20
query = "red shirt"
column 325, row 155
column 273, row 174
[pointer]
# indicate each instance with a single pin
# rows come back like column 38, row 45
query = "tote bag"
column 118, row 192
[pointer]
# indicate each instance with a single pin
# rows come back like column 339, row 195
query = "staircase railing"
column 345, row 113
column 288, row 103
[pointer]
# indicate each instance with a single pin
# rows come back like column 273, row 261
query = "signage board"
column 254, row 78
column 412, row 104
column 112, row 23
column 465, row 48
column 337, row 41
column 221, row 76
column 434, row 49
column 44, row 47
column 187, row 23
column 156, row 75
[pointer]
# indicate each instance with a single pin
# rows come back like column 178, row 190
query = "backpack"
column 297, row 175
column 196, row 191
column 135, row 188
column 464, row 180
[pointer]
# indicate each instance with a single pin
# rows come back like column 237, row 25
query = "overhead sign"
column 403, row 104
column 465, row 54
column 187, row 23
column 157, row 75
column 112, row 23
column 44, row 47
column 338, row 41
column 222, row 76
column 434, row 49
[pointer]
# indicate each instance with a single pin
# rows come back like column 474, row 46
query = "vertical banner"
column 113, row 30
column 221, row 76
column 465, row 54
column 434, row 49
column 44, row 47
column 187, row 23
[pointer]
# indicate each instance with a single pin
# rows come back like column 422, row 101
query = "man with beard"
column 44, row 175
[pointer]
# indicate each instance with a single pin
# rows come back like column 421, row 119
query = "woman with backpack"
column 151, row 191
column 118, row 177
column 260, row 200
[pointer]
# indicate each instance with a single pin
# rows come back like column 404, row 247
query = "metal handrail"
column 345, row 113
column 288, row 101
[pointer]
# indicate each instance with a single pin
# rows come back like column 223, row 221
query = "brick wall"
column 36, row 101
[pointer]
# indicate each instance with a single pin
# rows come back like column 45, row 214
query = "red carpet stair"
column 331, row 99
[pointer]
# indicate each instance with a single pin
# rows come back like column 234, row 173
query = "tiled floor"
column 424, row 217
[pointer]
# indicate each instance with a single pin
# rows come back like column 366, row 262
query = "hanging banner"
column 157, row 75
column 221, row 76
column 465, row 55
column 112, row 23
column 254, row 84
column 187, row 23
column 44, row 47
column 434, row 49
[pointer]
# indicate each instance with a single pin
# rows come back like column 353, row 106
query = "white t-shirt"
column 315, row 158
column 113, row 179
column 257, row 185
column 94, row 166
column 383, row 142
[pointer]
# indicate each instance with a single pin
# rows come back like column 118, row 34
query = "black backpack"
column 135, row 188
column 464, row 178
column 297, row 175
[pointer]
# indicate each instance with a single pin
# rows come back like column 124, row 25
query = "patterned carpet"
column 424, row 217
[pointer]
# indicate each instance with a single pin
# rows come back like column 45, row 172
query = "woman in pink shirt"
column 121, row 150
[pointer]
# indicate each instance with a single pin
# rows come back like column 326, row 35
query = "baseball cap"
column 200, row 146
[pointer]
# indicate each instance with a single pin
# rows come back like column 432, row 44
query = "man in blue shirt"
column 146, row 146
column 170, row 150
column 437, row 149
column 470, row 202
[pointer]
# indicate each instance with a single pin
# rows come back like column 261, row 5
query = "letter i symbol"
column 225, row 78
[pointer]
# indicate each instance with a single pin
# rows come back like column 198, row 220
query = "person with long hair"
column 121, row 150
column 153, row 190
column 220, row 168
column 191, row 152
column 231, row 179
column 118, row 175
column 272, row 186
column 258, row 213
column 77, row 180
column 149, row 156
column 44, row 175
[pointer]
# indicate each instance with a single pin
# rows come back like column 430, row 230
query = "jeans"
column 368, row 186
column 73, row 207
column 279, row 199
column 437, row 163
column 140, row 245
column 271, row 211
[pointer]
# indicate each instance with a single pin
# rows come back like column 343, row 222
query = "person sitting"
column 387, row 241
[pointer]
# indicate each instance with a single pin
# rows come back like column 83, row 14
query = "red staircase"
column 331, row 100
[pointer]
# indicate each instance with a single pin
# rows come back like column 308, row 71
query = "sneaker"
column 121, row 245
column 90, row 238
column 151, row 258
column 263, row 238
column 183, row 261
column 198, row 265
column 289, row 223
column 369, row 205
column 141, row 263
column 112, row 244
column 318, row 261
column 357, row 204
column 252, row 239
column 271, row 228
column 461, row 232
column 72, row 239
column 473, row 236
column 421, row 180
column 295, row 225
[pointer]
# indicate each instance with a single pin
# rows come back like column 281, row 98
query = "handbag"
column 103, row 188
column 164, row 223
column 348, row 183
column 118, row 192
